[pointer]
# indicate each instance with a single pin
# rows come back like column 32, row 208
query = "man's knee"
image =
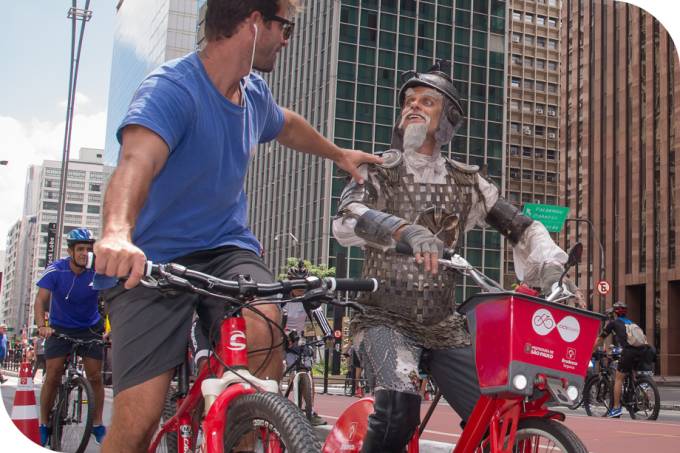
column 396, row 416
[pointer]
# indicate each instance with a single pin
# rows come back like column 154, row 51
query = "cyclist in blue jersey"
column 178, row 195
column 65, row 287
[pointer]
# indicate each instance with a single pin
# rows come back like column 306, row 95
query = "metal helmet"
column 298, row 271
column 79, row 236
column 437, row 77
column 620, row 308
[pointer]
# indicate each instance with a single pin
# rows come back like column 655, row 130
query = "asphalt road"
column 600, row 435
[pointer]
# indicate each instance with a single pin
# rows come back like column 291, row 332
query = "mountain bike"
column 538, row 353
column 72, row 414
column 639, row 394
column 301, row 382
column 226, row 407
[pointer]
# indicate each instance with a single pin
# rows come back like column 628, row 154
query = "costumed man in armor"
column 427, row 201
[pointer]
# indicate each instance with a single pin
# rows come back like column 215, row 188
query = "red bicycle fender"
column 544, row 413
column 349, row 431
column 216, row 419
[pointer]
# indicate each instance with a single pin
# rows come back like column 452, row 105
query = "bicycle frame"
column 217, row 393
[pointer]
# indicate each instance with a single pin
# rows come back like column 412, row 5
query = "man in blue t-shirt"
column 178, row 195
column 66, row 288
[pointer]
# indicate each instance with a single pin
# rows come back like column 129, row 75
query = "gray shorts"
column 150, row 329
column 392, row 361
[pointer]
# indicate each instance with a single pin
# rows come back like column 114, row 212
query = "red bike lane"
column 600, row 435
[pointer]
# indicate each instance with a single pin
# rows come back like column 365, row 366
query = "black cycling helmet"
column 79, row 236
column 620, row 308
column 298, row 271
column 437, row 77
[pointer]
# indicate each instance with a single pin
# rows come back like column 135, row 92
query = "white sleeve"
column 535, row 249
column 480, row 207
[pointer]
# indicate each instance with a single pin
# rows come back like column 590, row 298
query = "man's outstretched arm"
column 298, row 134
column 143, row 155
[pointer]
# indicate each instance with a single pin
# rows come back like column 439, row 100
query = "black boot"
column 394, row 420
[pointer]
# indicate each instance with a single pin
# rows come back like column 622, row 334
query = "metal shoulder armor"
column 462, row 166
column 391, row 158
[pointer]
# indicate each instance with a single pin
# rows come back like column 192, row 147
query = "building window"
column 513, row 197
column 514, row 127
column 528, row 84
column 552, row 110
column 515, row 82
column 552, row 44
column 527, row 174
column 528, row 40
column 517, row 59
column 73, row 219
column 552, row 154
column 51, row 205
column 514, row 173
column 516, row 37
column 74, row 196
column 76, row 174
column 552, row 2
column 540, row 109
column 527, row 152
column 549, row 199
column 526, row 107
column 514, row 150
column 92, row 209
column 540, row 86
column 552, row 88
column 528, row 18
column 529, row 62
column 516, row 15
column 540, row 42
column 95, row 187
column 540, row 131
column 552, row 133
column 551, row 177
column 73, row 207
column 526, row 130
column 94, row 198
column 539, row 153
column 552, row 22
column 75, row 185
column 552, row 65
column 514, row 105
column 540, row 20
column 539, row 176
column 540, row 63
column 51, row 183
column 52, row 171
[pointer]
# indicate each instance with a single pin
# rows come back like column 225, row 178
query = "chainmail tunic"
column 418, row 304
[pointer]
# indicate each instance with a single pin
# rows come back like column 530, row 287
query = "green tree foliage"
column 317, row 271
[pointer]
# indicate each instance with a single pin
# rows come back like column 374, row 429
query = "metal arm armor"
column 377, row 227
column 365, row 194
column 507, row 219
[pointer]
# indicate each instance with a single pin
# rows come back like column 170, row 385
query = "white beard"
column 415, row 135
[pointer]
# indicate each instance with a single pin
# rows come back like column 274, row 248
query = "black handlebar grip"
column 353, row 284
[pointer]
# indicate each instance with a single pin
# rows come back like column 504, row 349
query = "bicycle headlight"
column 520, row 381
column 572, row 392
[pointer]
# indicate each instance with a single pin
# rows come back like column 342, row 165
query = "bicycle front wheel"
column 597, row 396
column 645, row 400
column 304, row 394
column 72, row 419
column 546, row 436
column 263, row 422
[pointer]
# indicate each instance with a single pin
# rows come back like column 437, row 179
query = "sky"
column 35, row 47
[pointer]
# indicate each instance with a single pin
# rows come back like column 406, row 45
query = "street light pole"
column 593, row 235
column 82, row 15
column 295, row 239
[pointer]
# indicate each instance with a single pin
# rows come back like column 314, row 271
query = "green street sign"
column 551, row 216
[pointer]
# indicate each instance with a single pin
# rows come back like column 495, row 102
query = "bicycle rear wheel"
column 262, row 422
column 645, row 401
column 168, row 443
column 72, row 419
column 597, row 396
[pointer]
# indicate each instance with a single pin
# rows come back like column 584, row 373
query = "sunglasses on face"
column 287, row 26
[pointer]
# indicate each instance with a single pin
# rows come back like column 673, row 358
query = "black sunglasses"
column 286, row 25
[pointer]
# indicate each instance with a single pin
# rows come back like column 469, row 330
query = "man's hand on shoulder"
column 350, row 160
column 118, row 257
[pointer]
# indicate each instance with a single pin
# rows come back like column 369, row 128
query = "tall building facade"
column 341, row 71
column 533, row 102
column 620, row 121
column 11, row 286
column 147, row 33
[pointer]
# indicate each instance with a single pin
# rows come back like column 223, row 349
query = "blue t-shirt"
column 197, row 201
column 3, row 345
column 74, row 303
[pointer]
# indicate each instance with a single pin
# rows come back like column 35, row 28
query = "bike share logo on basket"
column 543, row 323
column 237, row 341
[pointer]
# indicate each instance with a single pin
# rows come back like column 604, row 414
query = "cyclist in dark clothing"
column 630, row 355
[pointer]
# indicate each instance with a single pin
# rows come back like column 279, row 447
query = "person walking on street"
column 3, row 350
column 40, row 363
column 65, row 287
column 178, row 195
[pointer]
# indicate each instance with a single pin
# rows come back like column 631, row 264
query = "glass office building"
column 147, row 33
column 341, row 71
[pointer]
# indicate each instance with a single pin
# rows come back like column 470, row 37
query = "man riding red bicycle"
column 421, row 199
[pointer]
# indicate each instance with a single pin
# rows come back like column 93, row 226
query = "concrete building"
column 533, row 102
column 147, row 34
column 341, row 71
column 620, row 113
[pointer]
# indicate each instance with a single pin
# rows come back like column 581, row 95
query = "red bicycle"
column 226, row 407
column 538, row 354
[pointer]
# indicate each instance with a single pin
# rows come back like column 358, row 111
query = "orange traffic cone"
column 25, row 411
